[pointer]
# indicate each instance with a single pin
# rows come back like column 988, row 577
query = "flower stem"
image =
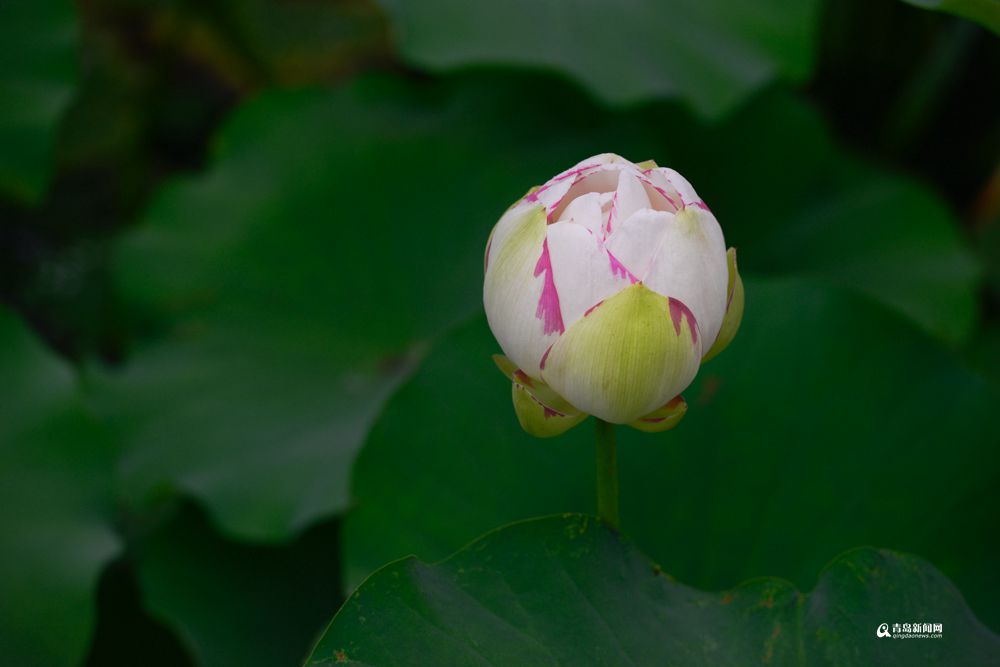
column 607, row 475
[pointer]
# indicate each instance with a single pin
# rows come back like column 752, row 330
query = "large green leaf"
column 985, row 12
column 710, row 53
column 820, row 428
column 126, row 629
column 298, row 280
column 239, row 604
column 55, row 476
column 250, row 44
column 308, row 42
column 796, row 203
column 339, row 231
column 38, row 74
column 567, row 591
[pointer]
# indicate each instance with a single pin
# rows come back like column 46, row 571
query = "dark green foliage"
column 831, row 456
column 234, row 603
column 625, row 54
column 492, row 604
column 38, row 71
column 251, row 234
column 55, row 474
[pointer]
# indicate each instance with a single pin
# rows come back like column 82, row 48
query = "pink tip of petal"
column 548, row 309
column 556, row 179
column 611, row 212
column 545, row 357
column 486, row 257
column 679, row 311
column 662, row 192
column 547, row 412
column 557, row 207
column 573, row 172
column 619, row 269
column 592, row 308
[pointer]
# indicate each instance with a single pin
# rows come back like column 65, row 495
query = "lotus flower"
column 606, row 288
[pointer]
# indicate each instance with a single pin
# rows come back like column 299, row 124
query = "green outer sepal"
column 541, row 411
column 662, row 419
column 735, row 301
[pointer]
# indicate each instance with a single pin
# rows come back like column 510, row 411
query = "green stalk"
column 607, row 475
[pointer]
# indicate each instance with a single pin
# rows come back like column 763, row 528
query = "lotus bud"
column 606, row 288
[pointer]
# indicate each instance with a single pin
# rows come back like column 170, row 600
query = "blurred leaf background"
column 244, row 362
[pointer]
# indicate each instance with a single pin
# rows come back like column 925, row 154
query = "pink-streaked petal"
column 619, row 269
column 512, row 292
column 681, row 314
column 690, row 265
column 583, row 166
column 553, row 193
column 630, row 196
column 636, row 240
column 657, row 181
column 610, row 212
column 586, row 212
column 599, row 181
column 548, row 309
column 602, row 179
column 582, row 268
column 548, row 350
column 681, row 185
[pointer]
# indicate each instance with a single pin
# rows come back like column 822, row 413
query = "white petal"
column 513, row 288
column 586, row 212
column 602, row 178
column 636, row 240
column 676, row 183
column 606, row 200
column 662, row 194
column 583, row 270
column 553, row 193
column 600, row 158
column 690, row 265
column 629, row 197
